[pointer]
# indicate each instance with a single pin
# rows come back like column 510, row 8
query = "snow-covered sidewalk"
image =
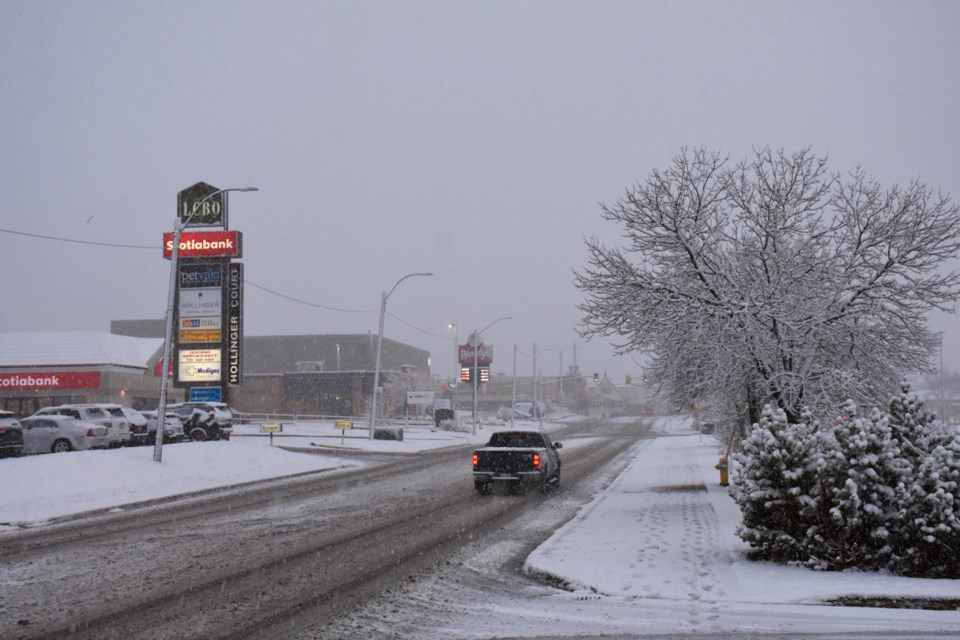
column 661, row 539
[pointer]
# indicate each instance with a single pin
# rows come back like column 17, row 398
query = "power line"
column 252, row 284
column 429, row 333
column 74, row 240
column 309, row 304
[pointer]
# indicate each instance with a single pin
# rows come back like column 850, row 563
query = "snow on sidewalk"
column 664, row 532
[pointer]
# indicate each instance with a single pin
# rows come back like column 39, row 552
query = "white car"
column 119, row 418
column 118, row 430
column 58, row 433
column 138, row 426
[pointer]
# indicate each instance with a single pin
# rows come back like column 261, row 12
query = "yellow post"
column 722, row 466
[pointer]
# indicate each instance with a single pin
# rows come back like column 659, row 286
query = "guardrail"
column 361, row 422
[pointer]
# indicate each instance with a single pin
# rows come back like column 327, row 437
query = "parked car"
column 59, row 433
column 118, row 431
column 138, row 425
column 204, row 420
column 117, row 415
column 172, row 430
column 11, row 435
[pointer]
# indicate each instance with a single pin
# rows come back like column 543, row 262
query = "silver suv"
column 118, row 430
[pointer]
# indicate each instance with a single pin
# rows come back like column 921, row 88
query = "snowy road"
column 309, row 557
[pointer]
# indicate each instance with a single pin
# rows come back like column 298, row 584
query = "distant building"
column 307, row 374
column 42, row 369
column 606, row 400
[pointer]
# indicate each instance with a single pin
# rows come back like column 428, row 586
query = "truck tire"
column 482, row 487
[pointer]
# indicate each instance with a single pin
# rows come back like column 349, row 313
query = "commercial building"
column 329, row 375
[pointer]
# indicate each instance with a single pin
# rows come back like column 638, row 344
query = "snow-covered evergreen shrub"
column 929, row 534
column 774, row 487
column 877, row 493
column 859, row 473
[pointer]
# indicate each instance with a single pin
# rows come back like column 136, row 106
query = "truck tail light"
column 536, row 461
column 476, row 460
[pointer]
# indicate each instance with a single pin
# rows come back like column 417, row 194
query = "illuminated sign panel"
column 200, row 275
column 201, row 335
column 484, row 354
column 199, row 365
column 205, row 244
column 200, row 303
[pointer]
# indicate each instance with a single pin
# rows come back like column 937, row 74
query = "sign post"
column 343, row 425
column 271, row 428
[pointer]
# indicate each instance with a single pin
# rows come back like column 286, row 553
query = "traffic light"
column 596, row 378
column 629, row 379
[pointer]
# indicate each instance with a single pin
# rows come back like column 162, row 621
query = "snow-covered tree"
column 773, row 279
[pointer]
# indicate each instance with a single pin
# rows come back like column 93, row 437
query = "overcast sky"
column 474, row 140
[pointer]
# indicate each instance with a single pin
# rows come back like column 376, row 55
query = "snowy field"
column 653, row 552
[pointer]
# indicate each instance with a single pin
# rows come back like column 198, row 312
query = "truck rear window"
column 519, row 440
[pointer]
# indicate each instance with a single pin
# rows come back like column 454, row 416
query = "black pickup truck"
column 517, row 458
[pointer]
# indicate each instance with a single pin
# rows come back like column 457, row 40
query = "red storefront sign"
column 41, row 380
column 158, row 368
column 484, row 355
column 205, row 244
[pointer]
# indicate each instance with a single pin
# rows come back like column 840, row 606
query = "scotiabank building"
column 45, row 369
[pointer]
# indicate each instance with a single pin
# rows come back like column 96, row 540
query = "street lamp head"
column 248, row 189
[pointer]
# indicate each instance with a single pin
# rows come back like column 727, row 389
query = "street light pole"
column 376, row 371
column 513, row 395
column 476, row 373
column 178, row 227
column 456, row 366
column 943, row 407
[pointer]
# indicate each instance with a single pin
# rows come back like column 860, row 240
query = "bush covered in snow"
column 877, row 492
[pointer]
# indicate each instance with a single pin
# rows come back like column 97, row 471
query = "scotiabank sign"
column 205, row 244
column 39, row 381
